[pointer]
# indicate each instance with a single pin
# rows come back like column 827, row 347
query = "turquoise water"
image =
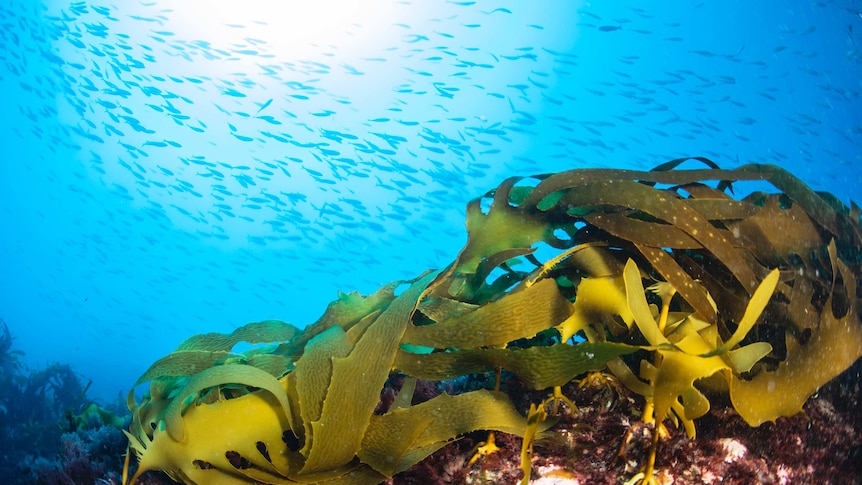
column 174, row 168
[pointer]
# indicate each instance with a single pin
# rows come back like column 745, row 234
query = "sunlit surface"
column 289, row 29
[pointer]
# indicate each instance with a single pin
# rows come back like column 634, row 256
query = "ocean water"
column 175, row 168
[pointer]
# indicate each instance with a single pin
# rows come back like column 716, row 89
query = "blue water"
column 173, row 168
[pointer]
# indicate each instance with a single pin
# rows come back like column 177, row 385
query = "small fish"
column 704, row 53
column 234, row 93
column 433, row 149
column 609, row 28
column 269, row 119
column 264, row 105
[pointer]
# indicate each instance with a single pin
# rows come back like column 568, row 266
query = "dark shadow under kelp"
column 681, row 295
column 49, row 432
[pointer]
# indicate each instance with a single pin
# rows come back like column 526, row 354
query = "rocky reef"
column 50, row 432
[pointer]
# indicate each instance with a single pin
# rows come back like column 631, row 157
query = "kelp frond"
column 666, row 268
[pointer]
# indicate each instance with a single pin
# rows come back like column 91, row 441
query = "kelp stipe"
column 660, row 278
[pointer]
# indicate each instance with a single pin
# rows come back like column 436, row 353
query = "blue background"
column 173, row 168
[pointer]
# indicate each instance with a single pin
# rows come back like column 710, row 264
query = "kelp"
column 663, row 278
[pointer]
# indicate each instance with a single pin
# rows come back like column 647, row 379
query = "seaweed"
column 663, row 279
column 43, row 408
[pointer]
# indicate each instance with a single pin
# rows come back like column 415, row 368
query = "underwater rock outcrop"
column 660, row 278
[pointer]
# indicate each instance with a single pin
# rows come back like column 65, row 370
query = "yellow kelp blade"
column 214, row 376
column 833, row 347
column 357, row 379
column 755, row 307
column 211, row 431
column 675, row 378
column 640, row 309
column 599, row 298
column 744, row 358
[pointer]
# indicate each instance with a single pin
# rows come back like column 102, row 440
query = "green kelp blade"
column 267, row 331
column 493, row 261
column 313, row 373
column 357, row 379
column 404, row 398
column 503, row 228
column 276, row 365
column 182, row 363
column 348, row 309
column 521, row 314
column 439, row 309
column 538, row 367
column 185, row 363
column 387, row 441
column 399, row 439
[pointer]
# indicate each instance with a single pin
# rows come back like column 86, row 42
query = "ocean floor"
column 605, row 443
